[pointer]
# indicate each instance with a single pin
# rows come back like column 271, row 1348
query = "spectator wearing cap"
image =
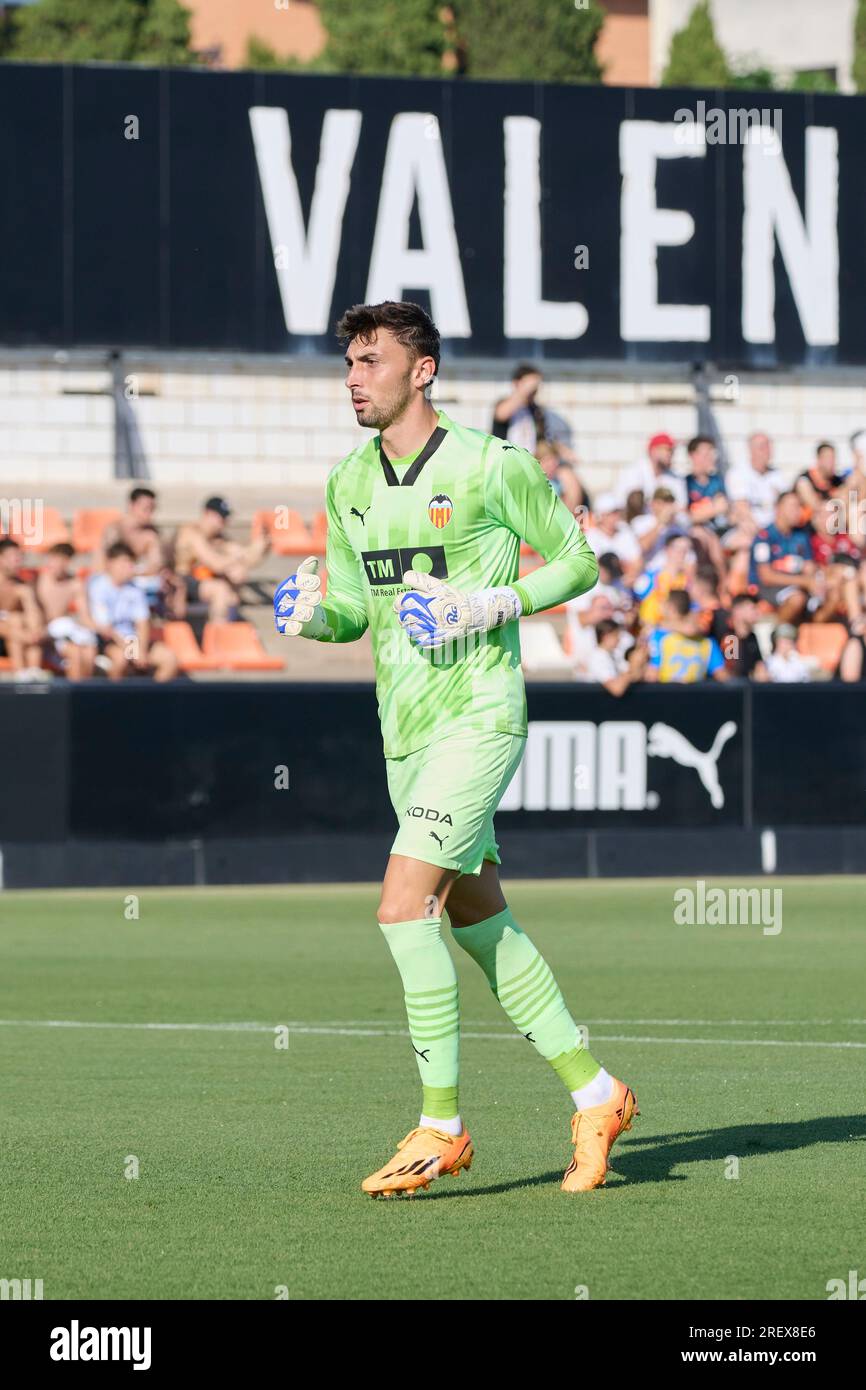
column 520, row 417
column 213, row 566
column 785, row 666
column 655, row 471
column 611, row 533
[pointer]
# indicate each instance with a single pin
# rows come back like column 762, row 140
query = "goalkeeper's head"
column 392, row 356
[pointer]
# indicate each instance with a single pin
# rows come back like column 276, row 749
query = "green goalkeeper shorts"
column 445, row 796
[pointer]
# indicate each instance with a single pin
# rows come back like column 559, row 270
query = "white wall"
column 272, row 433
column 784, row 35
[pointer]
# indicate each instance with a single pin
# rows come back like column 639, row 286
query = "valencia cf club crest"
column 440, row 509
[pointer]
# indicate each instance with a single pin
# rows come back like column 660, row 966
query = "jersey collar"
column 414, row 468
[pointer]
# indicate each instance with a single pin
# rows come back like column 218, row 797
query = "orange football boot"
column 423, row 1155
column 593, row 1132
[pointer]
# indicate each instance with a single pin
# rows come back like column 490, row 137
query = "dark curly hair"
column 409, row 323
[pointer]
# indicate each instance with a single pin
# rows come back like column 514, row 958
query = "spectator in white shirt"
column 610, row 599
column 118, row 612
column 786, row 666
column 611, row 533
column 655, row 471
column 753, row 490
column 617, row 661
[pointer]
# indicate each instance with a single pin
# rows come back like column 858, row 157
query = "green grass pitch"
column 741, row 1046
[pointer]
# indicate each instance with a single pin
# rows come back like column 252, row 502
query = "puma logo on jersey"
column 440, row 839
column 353, row 511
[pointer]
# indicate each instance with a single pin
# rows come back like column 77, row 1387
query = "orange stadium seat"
column 88, row 524
column 237, row 647
column 54, row 530
column 289, row 537
column 190, row 657
column 824, row 642
column 319, row 534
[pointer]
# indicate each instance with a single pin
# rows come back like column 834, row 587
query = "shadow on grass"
column 641, row 1158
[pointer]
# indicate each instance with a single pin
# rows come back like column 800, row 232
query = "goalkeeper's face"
column 382, row 379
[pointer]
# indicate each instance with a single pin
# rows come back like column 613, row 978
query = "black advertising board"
column 242, row 211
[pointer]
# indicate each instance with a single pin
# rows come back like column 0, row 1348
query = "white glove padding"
column 297, row 602
column 432, row 613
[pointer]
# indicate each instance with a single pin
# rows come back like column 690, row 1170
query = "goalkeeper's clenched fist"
column 432, row 613
column 297, row 603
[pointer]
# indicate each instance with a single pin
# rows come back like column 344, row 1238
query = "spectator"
column 63, row 601
column 136, row 529
column 610, row 600
column 734, row 630
column 561, row 476
column 755, row 488
column 675, row 571
column 166, row 592
column 520, row 418
column 708, row 504
column 611, row 533
column 119, row 614
column 782, row 567
column 838, row 559
column 212, row 566
column 652, row 527
column 655, row 471
column 677, row 652
column 704, row 591
column 785, row 666
column 610, row 666
column 853, row 658
column 21, row 627
column 821, row 480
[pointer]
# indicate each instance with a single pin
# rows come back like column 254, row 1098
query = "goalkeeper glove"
column 297, row 603
column 432, row 613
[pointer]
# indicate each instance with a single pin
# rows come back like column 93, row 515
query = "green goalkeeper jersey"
column 458, row 509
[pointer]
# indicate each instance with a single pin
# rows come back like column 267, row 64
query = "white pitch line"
column 348, row 1031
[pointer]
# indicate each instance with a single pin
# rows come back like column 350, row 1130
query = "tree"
column 758, row 79
column 858, row 66
column 163, row 38
column 399, row 37
column 114, row 31
column 818, row 80
column 545, row 40
column 261, row 56
column 696, row 59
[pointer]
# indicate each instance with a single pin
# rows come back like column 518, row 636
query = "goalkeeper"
column 425, row 522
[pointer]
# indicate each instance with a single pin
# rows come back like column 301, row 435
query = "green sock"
column 430, row 990
column 523, row 983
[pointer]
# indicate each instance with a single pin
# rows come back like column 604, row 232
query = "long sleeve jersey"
column 458, row 509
